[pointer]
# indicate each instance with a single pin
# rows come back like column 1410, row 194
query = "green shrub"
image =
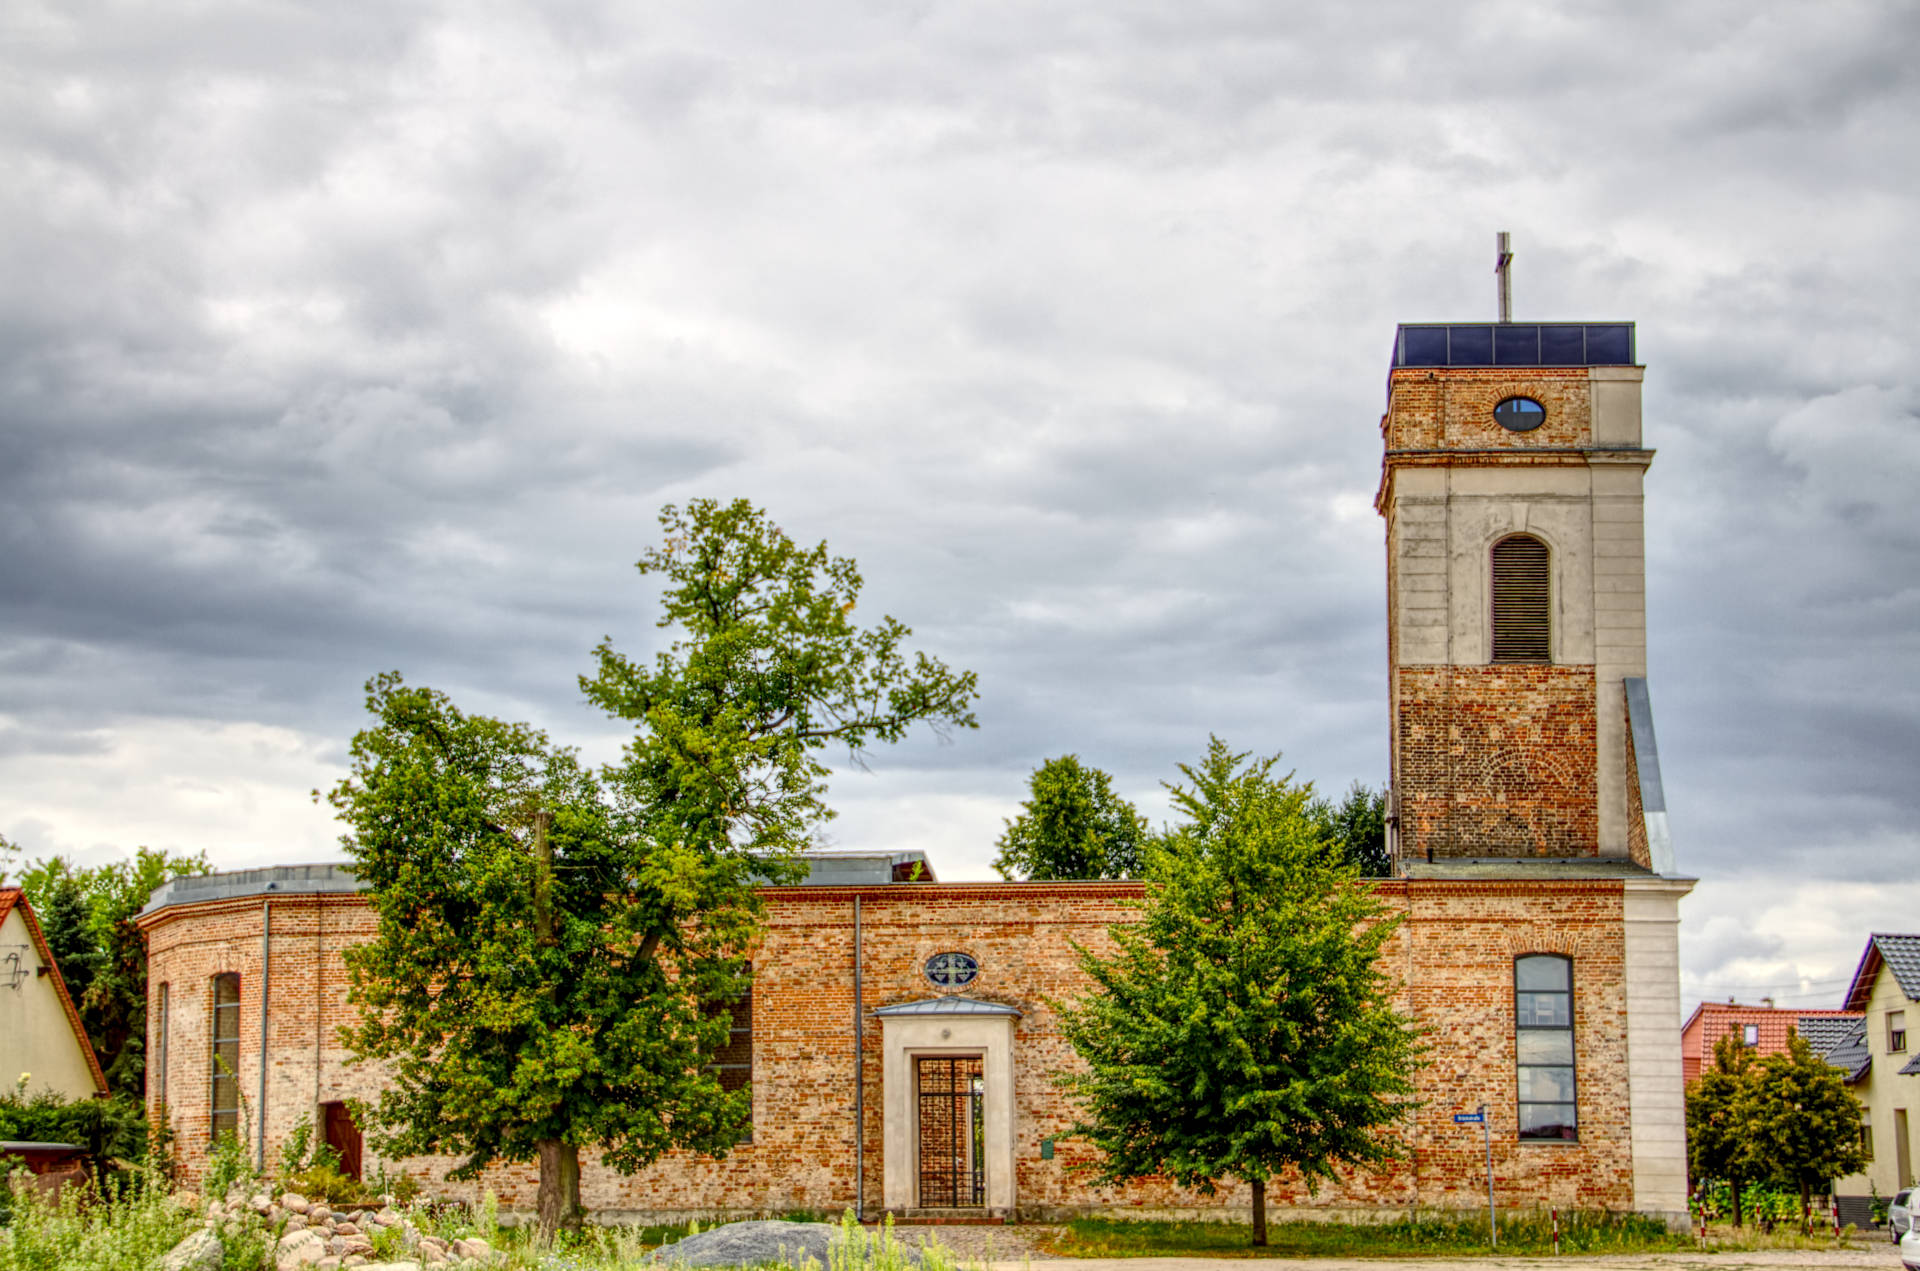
column 126, row 1224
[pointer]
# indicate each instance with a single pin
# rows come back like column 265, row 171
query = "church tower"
column 1511, row 488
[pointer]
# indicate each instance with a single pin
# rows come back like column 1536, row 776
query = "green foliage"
column 106, row 1130
column 1425, row 1235
column 1715, row 1148
column 1072, row 826
column 549, row 937
column 497, row 1034
column 1358, row 825
column 1797, row 1120
column 769, row 670
column 1243, row 1029
column 127, row 1226
column 1785, row 1118
column 87, row 915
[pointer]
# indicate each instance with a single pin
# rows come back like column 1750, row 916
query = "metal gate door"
column 953, row 1132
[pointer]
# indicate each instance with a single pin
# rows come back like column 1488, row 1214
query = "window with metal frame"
column 734, row 1061
column 1522, row 600
column 160, row 1022
column 1543, row 1046
column 226, row 1055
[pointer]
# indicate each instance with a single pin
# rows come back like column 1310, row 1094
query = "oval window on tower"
column 1519, row 414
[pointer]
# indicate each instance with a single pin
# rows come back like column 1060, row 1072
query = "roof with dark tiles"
column 1826, row 1031
column 1851, row 1056
column 1900, row 954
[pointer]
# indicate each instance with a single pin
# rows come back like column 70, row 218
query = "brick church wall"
column 1454, row 957
column 1497, row 761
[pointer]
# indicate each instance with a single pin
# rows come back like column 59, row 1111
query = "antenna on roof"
column 1503, row 270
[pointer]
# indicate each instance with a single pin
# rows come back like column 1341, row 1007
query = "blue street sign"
column 1469, row 1118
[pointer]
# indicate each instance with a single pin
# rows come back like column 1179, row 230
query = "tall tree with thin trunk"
column 553, row 941
column 1715, row 1146
column 1243, row 1028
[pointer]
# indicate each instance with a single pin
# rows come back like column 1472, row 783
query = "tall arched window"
column 1543, row 1046
column 226, row 1055
column 1522, row 600
column 163, row 1017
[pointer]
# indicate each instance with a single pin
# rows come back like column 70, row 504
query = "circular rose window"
column 1519, row 414
column 952, row 970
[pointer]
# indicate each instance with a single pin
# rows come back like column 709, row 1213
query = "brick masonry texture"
column 1453, row 958
column 1454, row 410
column 1638, row 850
column 1497, row 760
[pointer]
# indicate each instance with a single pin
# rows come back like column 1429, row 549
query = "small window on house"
column 1750, row 1035
column 226, row 1055
column 1543, row 1046
column 1522, row 600
column 1866, row 1136
column 1896, row 1032
column 161, row 1012
column 734, row 1061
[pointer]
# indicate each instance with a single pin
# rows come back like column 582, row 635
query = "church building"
column 899, row 1041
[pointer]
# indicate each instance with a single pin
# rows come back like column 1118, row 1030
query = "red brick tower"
column 1511, row 489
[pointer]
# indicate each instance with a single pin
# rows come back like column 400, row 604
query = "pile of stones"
column 314, row 1237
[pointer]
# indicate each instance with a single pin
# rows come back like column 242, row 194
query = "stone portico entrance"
column 948, row 1105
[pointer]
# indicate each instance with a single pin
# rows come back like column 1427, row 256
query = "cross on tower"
column 1503, row 270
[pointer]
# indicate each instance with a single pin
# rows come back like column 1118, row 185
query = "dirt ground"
column 1012, row 1248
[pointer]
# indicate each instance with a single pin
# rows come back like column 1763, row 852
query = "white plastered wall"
column 905, row 1039
column 1656, row 1089
column 36, row 1035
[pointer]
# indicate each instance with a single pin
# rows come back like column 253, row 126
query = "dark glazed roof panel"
column 1513, row 344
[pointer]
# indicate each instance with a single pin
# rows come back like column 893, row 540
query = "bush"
column 127, row 1224
column 110, row 1133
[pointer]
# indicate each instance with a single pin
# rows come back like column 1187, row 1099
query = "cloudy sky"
column 345, row 337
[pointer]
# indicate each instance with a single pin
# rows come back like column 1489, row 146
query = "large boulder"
column 200, row 1251
column 298, row 1249
column 748, row 1244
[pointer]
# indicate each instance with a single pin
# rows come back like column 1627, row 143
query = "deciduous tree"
column 1358, row 825
column 1072, row 825
column 1716, row 1148
column 1243, row 1027
column 552, row 940
column 1797, row 1121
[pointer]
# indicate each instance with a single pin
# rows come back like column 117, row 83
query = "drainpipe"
column 266, row 982
column 859, row 1090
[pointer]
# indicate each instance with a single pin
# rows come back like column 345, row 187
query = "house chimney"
column 1767, row 1002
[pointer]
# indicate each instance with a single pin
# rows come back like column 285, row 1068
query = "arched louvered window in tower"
column 1522, row 600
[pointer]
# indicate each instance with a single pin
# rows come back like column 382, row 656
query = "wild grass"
column 1425, row 1235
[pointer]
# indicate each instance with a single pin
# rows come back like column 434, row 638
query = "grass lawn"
column 1582, row 1233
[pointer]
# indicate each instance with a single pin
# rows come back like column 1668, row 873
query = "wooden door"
column 343, row 1136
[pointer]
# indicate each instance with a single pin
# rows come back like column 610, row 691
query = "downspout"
column 266, row 983
column 859, row 1090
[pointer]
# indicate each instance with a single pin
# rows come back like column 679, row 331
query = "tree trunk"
column 558, row 1203
column 1260, row 1212
column 1733, row 1185
column 1806, row 1209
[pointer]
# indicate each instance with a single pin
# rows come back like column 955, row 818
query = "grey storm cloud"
column 365, row 336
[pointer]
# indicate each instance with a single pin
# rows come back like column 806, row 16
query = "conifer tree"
column 1243, row 1029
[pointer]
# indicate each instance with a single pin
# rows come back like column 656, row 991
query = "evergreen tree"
column 1072, row 826
column 1243, row 1027
column 552, row 942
